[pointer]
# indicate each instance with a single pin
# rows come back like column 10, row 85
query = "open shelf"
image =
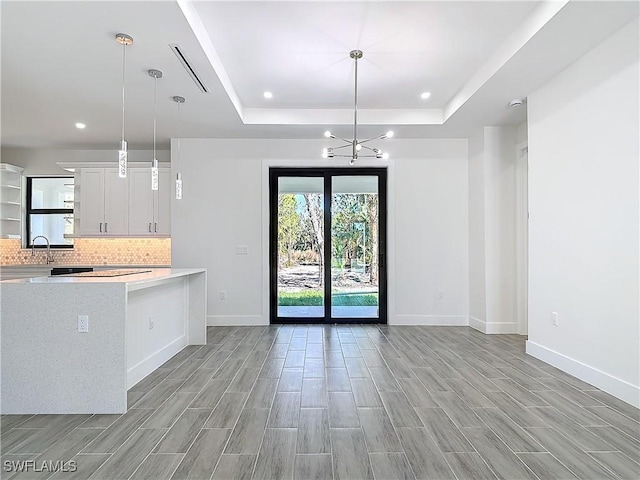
column 10, row 200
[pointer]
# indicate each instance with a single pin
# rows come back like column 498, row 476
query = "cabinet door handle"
column 105, row 227
column 149, row 227
column 100, row 227
column 155, row 227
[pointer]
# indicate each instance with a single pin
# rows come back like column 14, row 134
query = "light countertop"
column 145, row 276
column 77, row 265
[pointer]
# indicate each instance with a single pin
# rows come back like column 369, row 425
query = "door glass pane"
column 354, row 247
column 300, row 247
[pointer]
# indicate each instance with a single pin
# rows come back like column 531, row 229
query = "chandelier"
column 355, row 144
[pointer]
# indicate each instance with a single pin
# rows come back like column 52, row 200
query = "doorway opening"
column 327, row 245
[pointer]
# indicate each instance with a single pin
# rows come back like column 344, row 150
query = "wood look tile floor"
column 343, row 402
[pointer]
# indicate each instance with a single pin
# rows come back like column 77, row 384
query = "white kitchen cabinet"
column 149, row 211
column 104, row 203
column 10, row 201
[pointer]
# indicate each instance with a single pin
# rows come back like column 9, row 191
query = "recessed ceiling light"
column 425, row 95
column 268, row 95
column 80, row 125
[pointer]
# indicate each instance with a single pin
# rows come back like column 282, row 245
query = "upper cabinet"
column 104, row 205
column 114, row 206
column 10, row 201
column 149, row 210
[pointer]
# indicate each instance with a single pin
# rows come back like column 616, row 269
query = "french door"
column 328, row 245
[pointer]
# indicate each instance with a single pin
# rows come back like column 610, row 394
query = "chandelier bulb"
column 389, row 134
column 325, row 153
column 385, row 156
column 358, row 147
column 352, row 161
column 328, row 134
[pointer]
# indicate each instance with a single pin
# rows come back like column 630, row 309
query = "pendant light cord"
column 155, row 102
column 124, row 65
column 179, row 131
column 355, row 105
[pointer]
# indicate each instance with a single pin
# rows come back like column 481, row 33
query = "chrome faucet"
column 49, row 257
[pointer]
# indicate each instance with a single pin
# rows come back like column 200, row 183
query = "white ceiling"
column 61, row 65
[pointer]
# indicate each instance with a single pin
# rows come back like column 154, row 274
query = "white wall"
column 477, row 290
column 521, row 133
column 583, row 200
column 500, row 238
column 42, row 161
column 492, row 247
column 431, row 236
column 225, row 204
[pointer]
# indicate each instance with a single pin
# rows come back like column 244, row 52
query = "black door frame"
column 327, row 174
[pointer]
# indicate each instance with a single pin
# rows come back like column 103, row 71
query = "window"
column 50, row 210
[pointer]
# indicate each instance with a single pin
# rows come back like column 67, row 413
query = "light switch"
column 242, row 250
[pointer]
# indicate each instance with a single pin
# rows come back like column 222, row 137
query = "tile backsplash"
column 93, row 251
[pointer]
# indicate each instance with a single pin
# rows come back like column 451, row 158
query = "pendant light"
column 179, row 100
column 124, row 40
column 355, row 144
column 156, row 74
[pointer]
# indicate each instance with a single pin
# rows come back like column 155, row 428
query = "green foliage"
column 354, row 229
column 288, row 225
column 351, row 229
column 314, row 298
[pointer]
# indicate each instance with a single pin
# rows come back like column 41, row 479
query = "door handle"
column 106, row 230
column 149, row 227
column 100, row 227
column 155, row 227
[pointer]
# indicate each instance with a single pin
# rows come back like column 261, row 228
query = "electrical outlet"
column 440, row 294
column 150, row 323
column 83, row 323
column 223, row 294
column 554, row 318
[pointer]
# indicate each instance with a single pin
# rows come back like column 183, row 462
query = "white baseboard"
column 615, row 386
column 491, row 328
column 235, row 320
column 441, row 320
column 153, row 361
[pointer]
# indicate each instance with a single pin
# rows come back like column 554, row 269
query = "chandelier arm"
column 348, row 144
column 379, row 137
column 368, row 148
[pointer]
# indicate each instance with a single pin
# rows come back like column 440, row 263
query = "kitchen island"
column 77, row 343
